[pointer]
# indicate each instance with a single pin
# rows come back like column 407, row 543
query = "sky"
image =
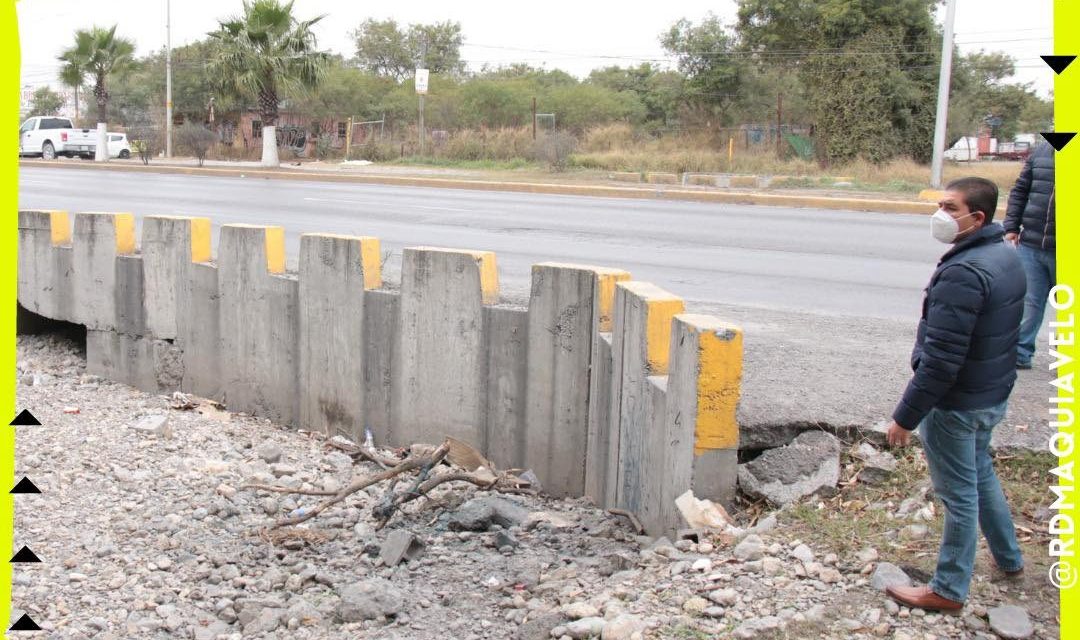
column 571, row 35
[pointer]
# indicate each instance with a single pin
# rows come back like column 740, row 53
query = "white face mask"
column 944, row 227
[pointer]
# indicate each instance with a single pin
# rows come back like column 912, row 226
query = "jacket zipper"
column 1046, row 225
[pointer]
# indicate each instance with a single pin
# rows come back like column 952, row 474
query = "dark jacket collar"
column 992, row 232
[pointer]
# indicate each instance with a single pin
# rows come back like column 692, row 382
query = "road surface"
column 828, row 299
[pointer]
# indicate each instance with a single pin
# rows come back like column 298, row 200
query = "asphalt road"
column 828, row 298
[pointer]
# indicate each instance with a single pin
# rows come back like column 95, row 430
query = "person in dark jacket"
column 964, row 365
column 1029, row 226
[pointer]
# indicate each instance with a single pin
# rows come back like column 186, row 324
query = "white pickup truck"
column 52, row 136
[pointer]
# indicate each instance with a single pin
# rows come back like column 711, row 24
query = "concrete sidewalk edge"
column 659, row 192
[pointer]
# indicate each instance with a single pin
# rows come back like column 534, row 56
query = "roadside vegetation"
column 789, row 88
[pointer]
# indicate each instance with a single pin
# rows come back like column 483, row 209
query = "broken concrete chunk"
column 369, row 600
column 702, row 514
column 156, row 425
column 400, row 545
column 480, row 513
column 878, row 466
column 809, row 464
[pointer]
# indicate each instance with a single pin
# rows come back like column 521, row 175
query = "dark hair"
column 979, row 195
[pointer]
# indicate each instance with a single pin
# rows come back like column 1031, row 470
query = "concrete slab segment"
column 259, row 318
column 153, row 366
column 563, row 309
column 655, row 453
column 380, row 331
column 44, row 266
column 334, row 271
column 598, row 441
column 640, row 340
column 199, row 332
column 170, row 244
column 439, row 367
column 703, row 392
column 128, row 296
column 506, row 333
column 98, row 239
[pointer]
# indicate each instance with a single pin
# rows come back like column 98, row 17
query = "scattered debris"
column 702, row 514
column 634, row 521
column 1010, row 621
column 783, row 475
column 400, row 545
column 156, row 424
column 878, row 466
column 422, row 460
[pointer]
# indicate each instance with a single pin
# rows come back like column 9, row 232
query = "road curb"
column 603, row 191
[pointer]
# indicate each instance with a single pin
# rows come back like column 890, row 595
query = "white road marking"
column 385, row 204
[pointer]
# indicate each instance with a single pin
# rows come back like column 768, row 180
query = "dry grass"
column 618, row 147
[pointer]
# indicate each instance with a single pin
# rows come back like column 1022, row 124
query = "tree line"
column 860, row 74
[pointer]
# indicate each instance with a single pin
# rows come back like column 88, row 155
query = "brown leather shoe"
column 923, row 598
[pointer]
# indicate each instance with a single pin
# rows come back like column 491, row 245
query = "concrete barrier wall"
column 602, row 386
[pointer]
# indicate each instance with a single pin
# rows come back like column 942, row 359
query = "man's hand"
column 1012, row 238
column 897, row 436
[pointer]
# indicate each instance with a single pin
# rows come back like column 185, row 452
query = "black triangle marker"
column 1058, row 63
column 25, row 623
column 25, row 555
column 25, row 419
column 25, row 486
column 1058, row 139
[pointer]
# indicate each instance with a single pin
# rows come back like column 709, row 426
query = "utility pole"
column 534, row 117
column 944, row 79
column 423, row 63
column 168, row 78
column 779, row 118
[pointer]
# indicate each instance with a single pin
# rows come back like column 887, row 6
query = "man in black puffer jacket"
column 1029, row 226
column 965, row 366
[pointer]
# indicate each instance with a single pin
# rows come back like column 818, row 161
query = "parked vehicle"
column 118, row 146
column 1011, row 151
column 965, row 149
column 53, row 136
column 970, row 148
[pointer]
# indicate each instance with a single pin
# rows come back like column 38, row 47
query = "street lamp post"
column 943, row 97
column 168, row 79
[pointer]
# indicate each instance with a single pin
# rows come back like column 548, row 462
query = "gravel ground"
column 148, row 535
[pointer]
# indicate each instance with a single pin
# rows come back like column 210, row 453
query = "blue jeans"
column 1040, row 268
column 957, row 447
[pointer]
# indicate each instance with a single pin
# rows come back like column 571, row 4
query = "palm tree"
column 99, row 53
column 73, row 75
column 263, row 53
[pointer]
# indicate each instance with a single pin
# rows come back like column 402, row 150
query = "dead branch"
column 385, row 509
column 423, row 460
column 362, row 452
column 277, row 489
column 502, row 483
column 408, row 464
column 371, row 456
column 638, row 527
